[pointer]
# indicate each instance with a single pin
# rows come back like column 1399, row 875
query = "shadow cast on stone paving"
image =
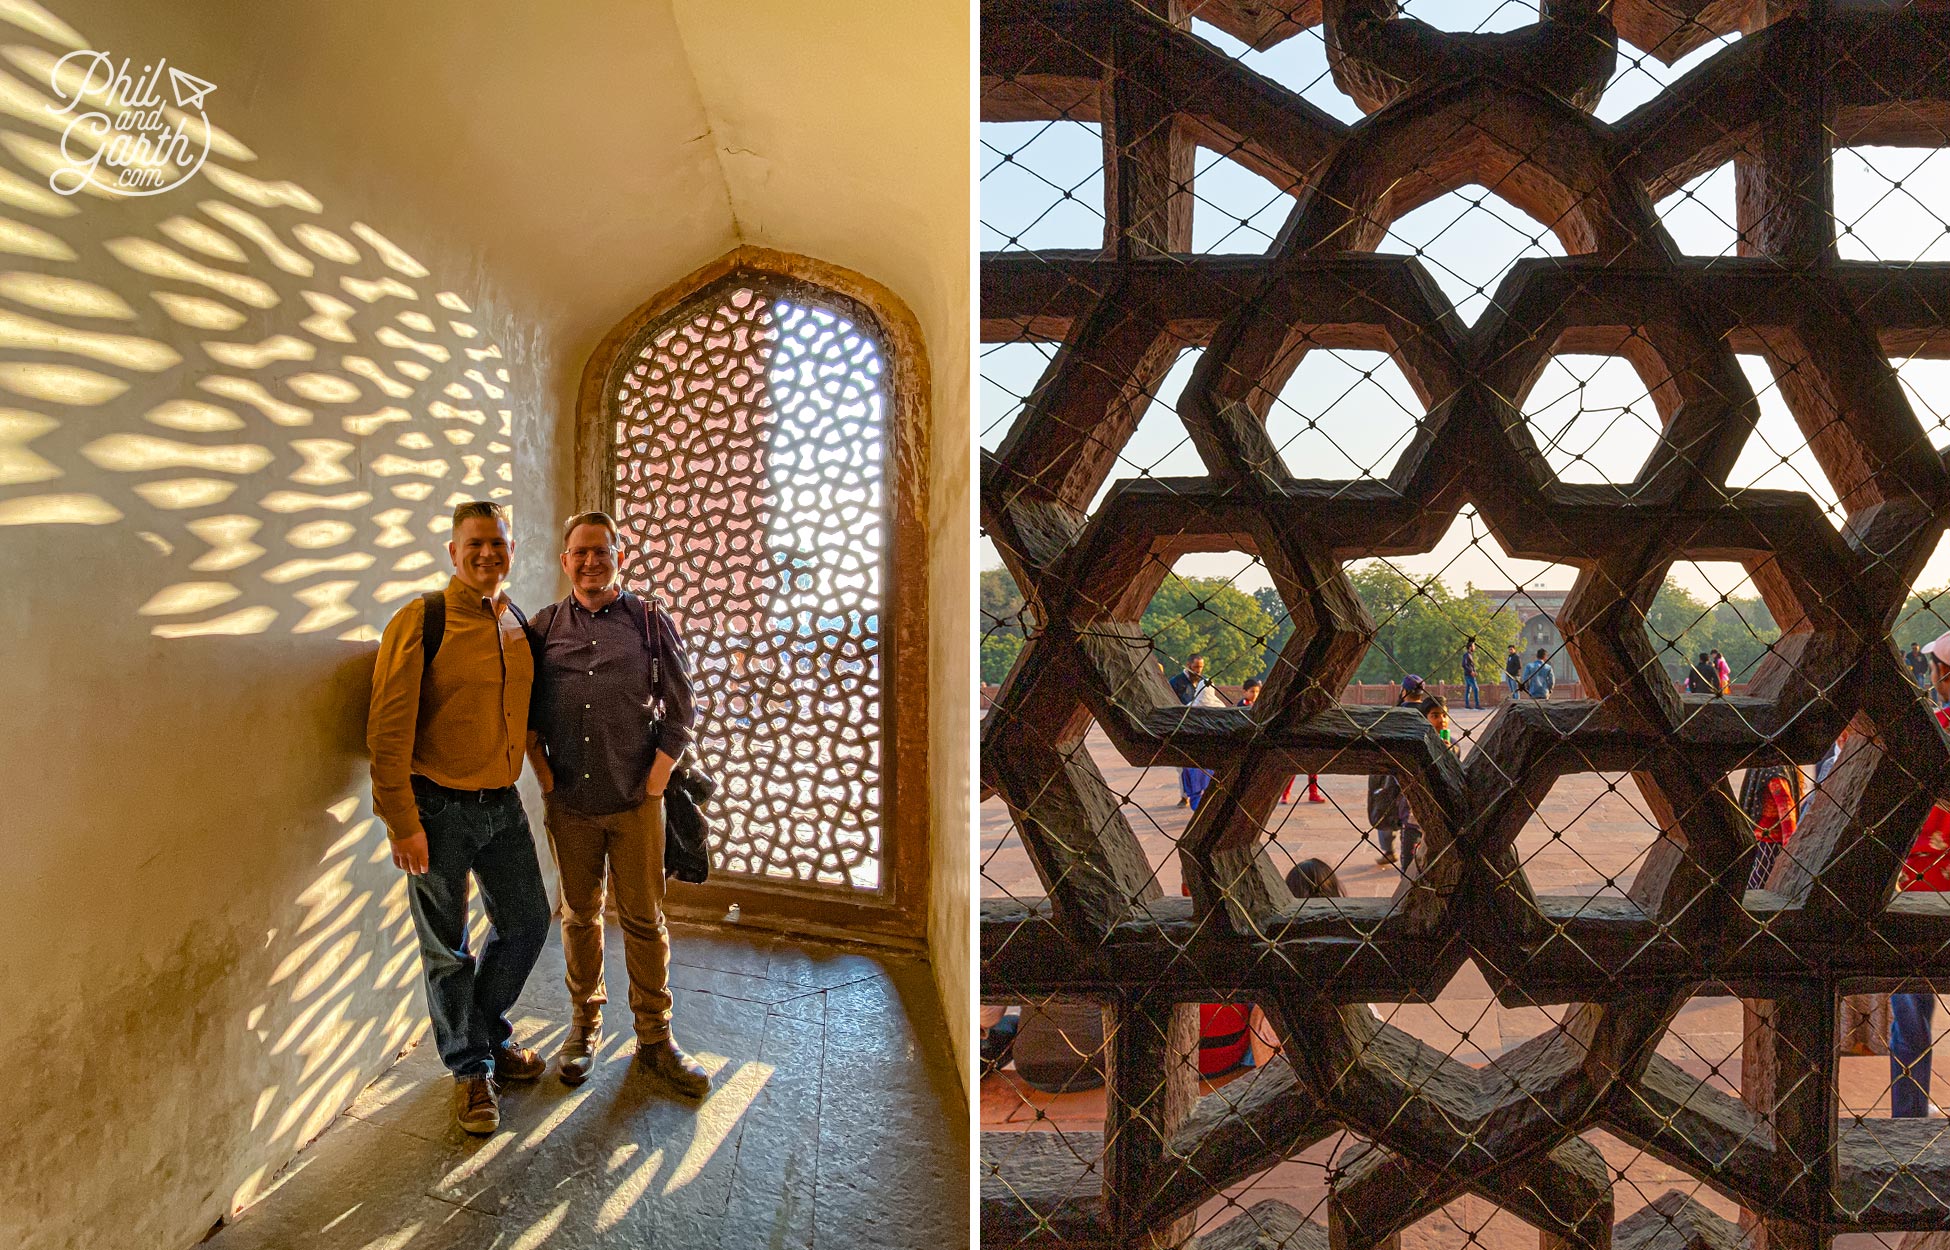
column 833, row 1107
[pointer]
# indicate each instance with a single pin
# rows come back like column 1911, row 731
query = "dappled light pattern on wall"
column 748, row 467
column 344, row 942
column 282, row 404
column 226, row 409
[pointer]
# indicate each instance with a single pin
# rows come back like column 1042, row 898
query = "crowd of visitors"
column 1772, row 796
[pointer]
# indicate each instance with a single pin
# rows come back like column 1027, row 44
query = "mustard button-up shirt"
column 466, row 725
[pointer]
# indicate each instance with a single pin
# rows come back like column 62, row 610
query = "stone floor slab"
column 835, row 1118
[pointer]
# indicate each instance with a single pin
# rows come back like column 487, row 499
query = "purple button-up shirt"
column 593, row 705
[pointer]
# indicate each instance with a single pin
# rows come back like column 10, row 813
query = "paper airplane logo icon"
column 189, row 89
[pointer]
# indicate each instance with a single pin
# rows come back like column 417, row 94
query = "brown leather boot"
column 518, row 1063
column 578, row 1054
column 476, row 1109
column 670, row 1065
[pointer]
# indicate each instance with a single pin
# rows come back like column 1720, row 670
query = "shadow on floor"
column 835, row 1117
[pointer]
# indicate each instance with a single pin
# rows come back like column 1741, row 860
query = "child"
column 1313, row 878
column 1435, row 710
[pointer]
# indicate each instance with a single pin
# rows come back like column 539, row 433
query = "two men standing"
column 450, row 723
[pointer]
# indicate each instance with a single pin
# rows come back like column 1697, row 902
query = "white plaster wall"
column 834, row 150
column 207, row 948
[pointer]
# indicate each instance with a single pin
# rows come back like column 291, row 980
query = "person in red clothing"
column 1927, row 868
column 1224, row 1031
column 1249, row 695
column 1768, row 799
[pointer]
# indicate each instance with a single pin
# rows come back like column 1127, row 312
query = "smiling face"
column 589, row 558
column 481, row 551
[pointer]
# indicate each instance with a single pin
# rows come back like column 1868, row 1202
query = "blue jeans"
column 468, row 997
column 1510, row 684
column 1472, row 693
column 1196, row 781
column 1909, row 1054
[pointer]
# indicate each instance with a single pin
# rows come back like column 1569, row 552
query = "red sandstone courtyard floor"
column 1586, row 838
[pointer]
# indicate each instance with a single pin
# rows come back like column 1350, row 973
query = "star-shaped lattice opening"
column 1831, row 557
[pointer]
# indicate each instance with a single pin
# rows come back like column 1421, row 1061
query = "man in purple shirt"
column 604, row 757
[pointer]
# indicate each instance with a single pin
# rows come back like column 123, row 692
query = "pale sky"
column 1345, row 414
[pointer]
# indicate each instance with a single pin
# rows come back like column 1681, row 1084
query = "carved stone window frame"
column 898, row 909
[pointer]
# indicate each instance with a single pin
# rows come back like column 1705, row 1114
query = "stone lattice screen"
column 1090, row 544
column 748, row 459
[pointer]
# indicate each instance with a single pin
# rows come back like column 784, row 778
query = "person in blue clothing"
column 1537, row 678
column 1188, row 685
column 1472, row 693
column 1512, row 669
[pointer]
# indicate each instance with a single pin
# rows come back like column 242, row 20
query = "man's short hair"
column 486, row 509
column 1196, row 655
column 1541, row 653
column 603, row 519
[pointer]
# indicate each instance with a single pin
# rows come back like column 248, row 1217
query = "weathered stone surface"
column 1676, row 1221
column 1268, row 1225
column 1243, row 1128
column 1043, row 1189
column 1507, row 112
column 835, row 1113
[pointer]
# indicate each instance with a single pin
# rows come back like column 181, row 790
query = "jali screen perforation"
column 748, row 465
column 1191, row 208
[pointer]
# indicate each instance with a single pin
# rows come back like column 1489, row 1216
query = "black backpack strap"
column 528, row 636
column 652, row 640
column 435, row 628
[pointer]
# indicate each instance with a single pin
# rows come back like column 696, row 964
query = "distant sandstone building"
column 1538, row 610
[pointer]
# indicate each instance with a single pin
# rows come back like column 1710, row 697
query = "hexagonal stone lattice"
column 1510, row 112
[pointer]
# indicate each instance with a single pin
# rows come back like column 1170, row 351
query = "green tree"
column 1210, row 617
column 1742, row 630
column 1675, row 624
column 1422, row 627
column 1270, row 603
column 1002, row 605
column 1471, row 616
column 999, row 652
column 1680, row 626
column 1925, row 615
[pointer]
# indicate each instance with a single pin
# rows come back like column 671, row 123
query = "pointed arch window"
column 748, row 437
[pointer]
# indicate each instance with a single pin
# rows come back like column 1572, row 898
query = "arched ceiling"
column 582, row 156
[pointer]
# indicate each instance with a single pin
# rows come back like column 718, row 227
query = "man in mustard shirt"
column 448, row 733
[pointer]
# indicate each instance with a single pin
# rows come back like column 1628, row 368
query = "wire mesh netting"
column 1464, row 504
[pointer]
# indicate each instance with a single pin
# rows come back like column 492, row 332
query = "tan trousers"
column 632, row 844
